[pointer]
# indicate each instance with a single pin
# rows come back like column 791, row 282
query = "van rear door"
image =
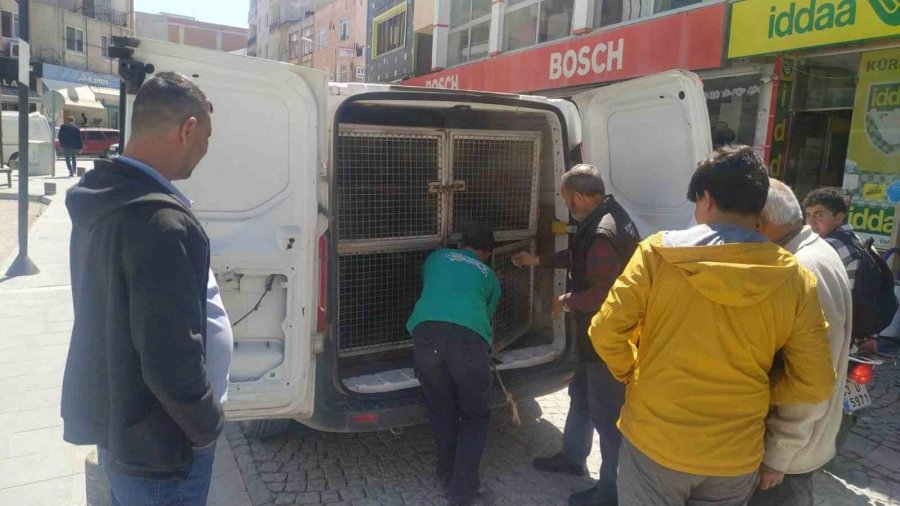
column 647, row 136
column 255, row 193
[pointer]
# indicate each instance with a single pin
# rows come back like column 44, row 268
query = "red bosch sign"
column 690, row 40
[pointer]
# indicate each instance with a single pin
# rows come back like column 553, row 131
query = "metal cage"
column 513, row 317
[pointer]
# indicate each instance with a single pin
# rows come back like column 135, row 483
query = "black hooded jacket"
column 135, row 381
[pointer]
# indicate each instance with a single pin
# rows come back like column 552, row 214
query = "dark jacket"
column 70, row 137
column 610, row 221
column 135, row 381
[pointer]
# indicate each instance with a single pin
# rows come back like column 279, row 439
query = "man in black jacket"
column 71, row 143
column 136, row 382
column 604, row 242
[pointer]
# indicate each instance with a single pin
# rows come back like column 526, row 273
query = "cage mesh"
column 513, row 317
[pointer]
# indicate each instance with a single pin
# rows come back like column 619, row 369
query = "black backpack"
column 874, row 302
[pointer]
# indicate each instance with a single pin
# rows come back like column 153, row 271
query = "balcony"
column 88, row 9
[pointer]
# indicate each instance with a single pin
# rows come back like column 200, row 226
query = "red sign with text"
column 689, row 40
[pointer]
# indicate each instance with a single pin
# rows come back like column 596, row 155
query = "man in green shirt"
column 451, row 329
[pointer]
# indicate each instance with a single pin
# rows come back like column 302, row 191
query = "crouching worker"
column 451, row 329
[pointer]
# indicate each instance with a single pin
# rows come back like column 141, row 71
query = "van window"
column 95, row 136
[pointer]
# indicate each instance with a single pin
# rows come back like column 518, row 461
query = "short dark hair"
column 167, row 100
column 584, row 179
column 735, row 178
column 829, row 198
column 478, row 236
column 722, row 135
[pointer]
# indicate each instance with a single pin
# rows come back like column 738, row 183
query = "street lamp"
column 307, row 39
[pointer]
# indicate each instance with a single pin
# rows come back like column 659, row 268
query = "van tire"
column 12, row 157
column 264, row 429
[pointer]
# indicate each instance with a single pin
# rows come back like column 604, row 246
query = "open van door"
column 255, row 194
column 647, row 136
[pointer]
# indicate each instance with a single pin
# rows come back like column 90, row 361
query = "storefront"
column 836, row 104
column 9, row 84
column 92, row 99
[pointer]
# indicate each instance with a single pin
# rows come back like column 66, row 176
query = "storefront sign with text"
column 769, row 26
column 689, row 40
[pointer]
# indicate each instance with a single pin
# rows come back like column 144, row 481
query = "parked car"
column 41, row 158
column 322, row 200
column 96, row 141
column 111, row 152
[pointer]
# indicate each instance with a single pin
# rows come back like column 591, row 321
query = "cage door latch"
column 453, row 186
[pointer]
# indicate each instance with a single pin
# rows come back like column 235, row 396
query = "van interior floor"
column 392, row 371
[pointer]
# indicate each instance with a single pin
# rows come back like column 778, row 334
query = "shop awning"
column 74, row 95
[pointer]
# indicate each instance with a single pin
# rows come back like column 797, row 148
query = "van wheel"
column 13, row 157
column 264, row 429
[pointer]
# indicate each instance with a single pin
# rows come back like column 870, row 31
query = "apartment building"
column 189, row 31
column 400, row 36
column 340, row 40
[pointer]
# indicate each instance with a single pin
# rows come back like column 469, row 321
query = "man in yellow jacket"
column 693, row 326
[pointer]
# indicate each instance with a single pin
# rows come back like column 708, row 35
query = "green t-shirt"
column 458, row 288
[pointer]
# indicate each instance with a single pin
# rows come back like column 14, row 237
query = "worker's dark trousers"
column 453, row 365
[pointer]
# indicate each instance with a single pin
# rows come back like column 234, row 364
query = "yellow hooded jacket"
column 693, row 331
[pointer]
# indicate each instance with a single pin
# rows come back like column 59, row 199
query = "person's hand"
column 869, row 345
column 769, row 478
column 558, row 309
column 526, row 259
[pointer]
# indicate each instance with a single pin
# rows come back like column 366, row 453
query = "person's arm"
column 603, row 267
column 166, row 321
column 789, row 429
column 558, row 260
column 613, row 329
column 807, row 376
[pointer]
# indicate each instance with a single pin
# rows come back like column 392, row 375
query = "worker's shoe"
column 595, row 496
column 559, row 464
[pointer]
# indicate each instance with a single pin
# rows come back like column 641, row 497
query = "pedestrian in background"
column 453, row 336
column 800, row 439
column 604, row 241
column 146, row 370
column 71, row 143
column 693, row 326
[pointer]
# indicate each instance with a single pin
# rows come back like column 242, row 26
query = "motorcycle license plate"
column 856, row 397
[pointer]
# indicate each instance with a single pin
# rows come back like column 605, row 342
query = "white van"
column 41, row 153
column 322, row 200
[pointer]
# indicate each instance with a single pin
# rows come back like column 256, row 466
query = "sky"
column 225, row 12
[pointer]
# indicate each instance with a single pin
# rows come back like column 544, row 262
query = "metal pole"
column 22, row 265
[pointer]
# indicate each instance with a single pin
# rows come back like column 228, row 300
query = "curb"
column 257, row 491
column 39, row 199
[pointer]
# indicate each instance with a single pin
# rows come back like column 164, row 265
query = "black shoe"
column 559, row 464
column 483, row 497
column 594, row 496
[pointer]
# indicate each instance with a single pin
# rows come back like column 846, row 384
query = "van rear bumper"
column 336, row 411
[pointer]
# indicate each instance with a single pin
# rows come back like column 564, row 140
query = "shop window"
column 733, row 103
column 611, row 12
column 389, row 31
column 345, row 28
column 668, row 5
column 10, row 24
column 458, row 47
column 74, row 39
column 470, row 26
column 827, row 86
column 463, row 12
column 529, row 22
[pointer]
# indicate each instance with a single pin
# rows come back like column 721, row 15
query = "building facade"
column 189, row 31
column 339, row 42
column 400, row 37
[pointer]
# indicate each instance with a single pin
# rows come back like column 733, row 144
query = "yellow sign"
column 875, row 192
column 770, row 26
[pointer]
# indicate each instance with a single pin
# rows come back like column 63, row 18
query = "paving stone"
column 273, row 477
column 352, row 493
column 285, row 498
column 295, row 486
column 316, row 485
column 308, row 498
column 269, row 467
column 276, row 487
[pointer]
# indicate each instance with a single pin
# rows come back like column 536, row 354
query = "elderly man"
column 801, row 438
column 693, row 326
column 603, row 242
column 151, row 344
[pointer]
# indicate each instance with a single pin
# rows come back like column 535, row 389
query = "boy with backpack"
column 871, row 280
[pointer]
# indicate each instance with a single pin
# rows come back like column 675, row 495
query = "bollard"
column 96, row 486
column 80, row 171
column 49, row 188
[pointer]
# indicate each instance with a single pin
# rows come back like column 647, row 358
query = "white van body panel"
column 647, row 136
column 41, row 142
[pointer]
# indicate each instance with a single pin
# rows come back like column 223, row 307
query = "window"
column 104, row 46
column 294, row 45
column 74, row 39
column 344, row 73
column 470, row 24
column 668, row 5
column 10, row 22
column 306, row 47
column 389, row 31
column 345, row 28
column 530, row 22
column 321, row 37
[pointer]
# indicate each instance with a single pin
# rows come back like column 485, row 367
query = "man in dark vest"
column 603, row 243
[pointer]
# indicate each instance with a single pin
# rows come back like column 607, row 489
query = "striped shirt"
column 841, row 240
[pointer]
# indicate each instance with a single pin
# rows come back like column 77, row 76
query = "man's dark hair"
column 829, row 198
column 722, row 135
column 167, row 100
column 584, row 179
column 735, row 178
column 478, row 237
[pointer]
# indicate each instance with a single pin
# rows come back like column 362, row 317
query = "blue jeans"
column 132, row 491
column 71, row 159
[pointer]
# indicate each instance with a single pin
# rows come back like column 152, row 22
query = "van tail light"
column 321, row 313
column 860, row 374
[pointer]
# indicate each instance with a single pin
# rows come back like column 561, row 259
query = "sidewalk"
column 36, row 466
